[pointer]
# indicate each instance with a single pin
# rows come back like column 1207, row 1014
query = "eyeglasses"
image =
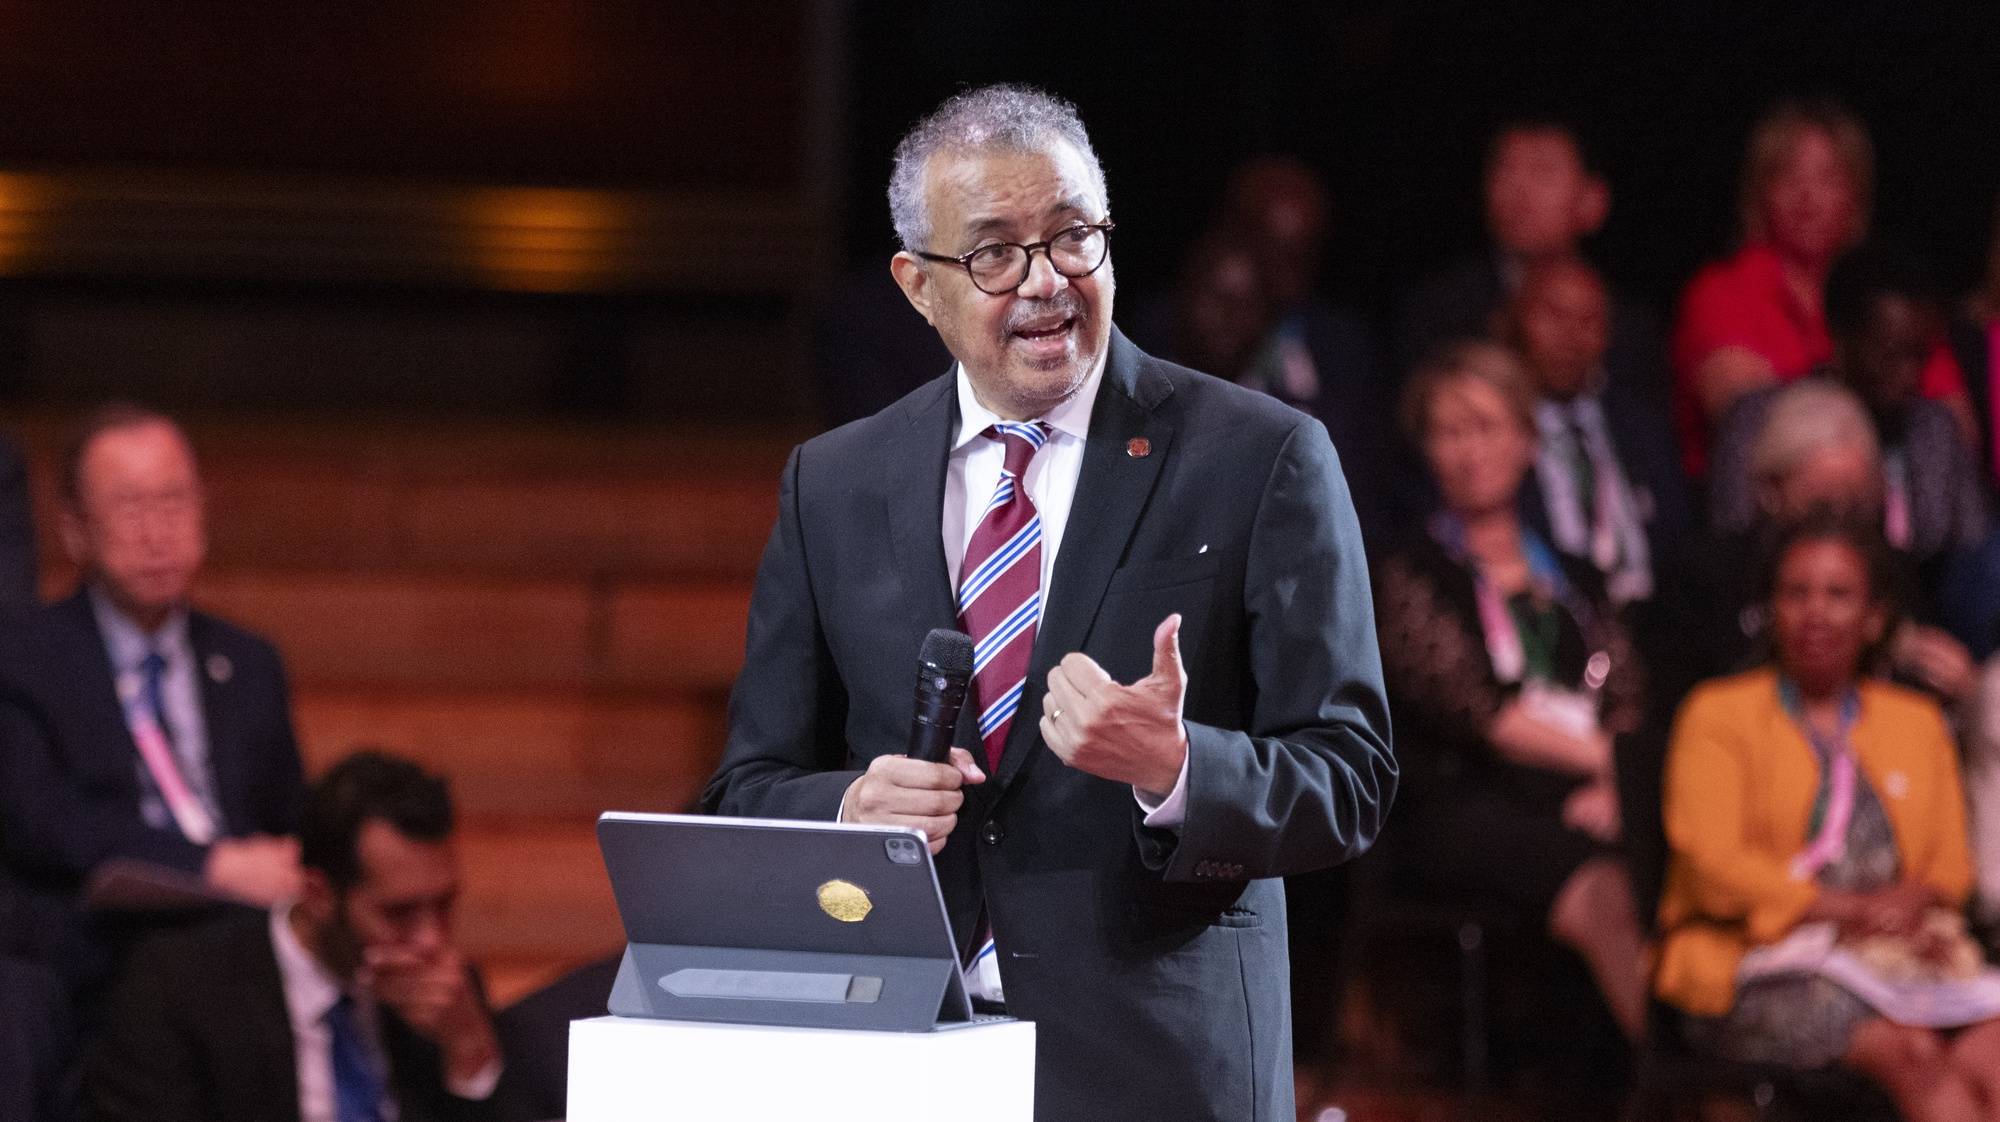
column 1002, row 267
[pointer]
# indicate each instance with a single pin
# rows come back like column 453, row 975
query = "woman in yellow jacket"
column 1811, row 811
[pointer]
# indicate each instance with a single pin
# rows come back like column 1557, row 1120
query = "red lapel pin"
column 1138, row 447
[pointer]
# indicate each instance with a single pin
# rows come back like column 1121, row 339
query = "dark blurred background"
column 520, row 207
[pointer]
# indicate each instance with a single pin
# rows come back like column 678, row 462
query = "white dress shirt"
column 310, row 991
column 128, row 644
column 974, row 472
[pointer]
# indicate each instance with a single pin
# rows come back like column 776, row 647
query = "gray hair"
column 1009, row 118
column 1806, row 417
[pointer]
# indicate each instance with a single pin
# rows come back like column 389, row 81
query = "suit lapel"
column 222, row 763
column 913, row 470
column 263, row 1024
column 116, row 754
column 1111, row 490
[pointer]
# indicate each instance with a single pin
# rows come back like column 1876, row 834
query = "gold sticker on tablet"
column 848, row 903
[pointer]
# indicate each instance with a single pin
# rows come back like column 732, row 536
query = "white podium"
column 628, row 1069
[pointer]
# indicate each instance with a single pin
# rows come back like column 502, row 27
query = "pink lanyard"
column 1836, row 755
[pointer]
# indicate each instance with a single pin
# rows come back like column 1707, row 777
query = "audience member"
column 34, row 1043
column 352, row 1004
column 1756, row 317
column 133, row 726
column 1607, row 485
column 1220, row 317
column 1816, row 448
column 1818, row 838
column 1543, row 198
column 1883, row 316
column 18, row 561
column 1509, row 676
column 1313, row 356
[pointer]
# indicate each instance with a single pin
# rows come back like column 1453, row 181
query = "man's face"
column 1027, row 350
column 1540, row 200
column 1884, row 361
column 1562, row 319
column 1811, row 208
column 138, row 522
column 1843, row 478
column 404, row 899
column 1223, row 313
column 1287, row 237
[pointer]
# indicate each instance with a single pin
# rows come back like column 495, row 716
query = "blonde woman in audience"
column 1757, row 317
column 1509, row 677
column 1818, row 854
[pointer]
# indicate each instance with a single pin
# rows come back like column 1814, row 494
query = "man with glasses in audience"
column 137, row 733
column 1176, row 697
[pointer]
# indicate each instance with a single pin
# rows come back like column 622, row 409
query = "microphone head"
column 950, row 651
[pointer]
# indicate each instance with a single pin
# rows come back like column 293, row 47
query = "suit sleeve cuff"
column 1169, row 812
column 480, row 1086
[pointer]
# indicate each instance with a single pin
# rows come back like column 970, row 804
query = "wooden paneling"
column 529, row 755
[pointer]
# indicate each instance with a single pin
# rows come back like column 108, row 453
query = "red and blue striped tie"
column 1000, row 588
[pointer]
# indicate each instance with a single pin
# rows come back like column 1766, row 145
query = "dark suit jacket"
column 197, row 1031
column 1153, row 962
column 69, row 788
column 1651, row 461
column 18, row 563
column 34, row 1043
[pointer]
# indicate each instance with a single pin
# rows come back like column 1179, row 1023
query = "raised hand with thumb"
column 1131, row 734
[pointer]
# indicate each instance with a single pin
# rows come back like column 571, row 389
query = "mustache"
column 1065, row 305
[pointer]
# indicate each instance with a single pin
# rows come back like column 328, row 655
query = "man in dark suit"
column 133, row 727
column 350, row 1002
column 1093, row 517
column 1607, row 485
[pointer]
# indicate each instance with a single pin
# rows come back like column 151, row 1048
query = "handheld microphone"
column 944, row 668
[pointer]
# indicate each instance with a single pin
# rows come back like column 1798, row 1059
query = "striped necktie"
column 1000, row 588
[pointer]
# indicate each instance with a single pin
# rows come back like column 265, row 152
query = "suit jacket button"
column 992, row 832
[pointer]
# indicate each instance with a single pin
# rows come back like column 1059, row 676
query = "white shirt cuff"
column 1167, row 813
column 480, row 1087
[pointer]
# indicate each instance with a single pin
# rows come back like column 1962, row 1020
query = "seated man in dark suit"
column 1607, row 485
column 1543, row 198
column 352, row 1005
column 132, row 726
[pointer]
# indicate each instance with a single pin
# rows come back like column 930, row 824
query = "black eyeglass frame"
column 964, row 261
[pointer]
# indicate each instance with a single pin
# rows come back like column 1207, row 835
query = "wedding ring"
column 1056, row 713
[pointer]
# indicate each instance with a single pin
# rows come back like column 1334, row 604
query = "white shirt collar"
column 310, row 989
column 1071, row 416
column 129, row 643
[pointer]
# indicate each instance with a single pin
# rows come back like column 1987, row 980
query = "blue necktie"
column 357, row 1089
column 154, row 667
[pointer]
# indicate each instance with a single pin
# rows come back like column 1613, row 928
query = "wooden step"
column 435, row 631
column 528, row 755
